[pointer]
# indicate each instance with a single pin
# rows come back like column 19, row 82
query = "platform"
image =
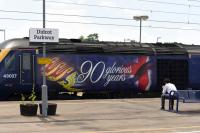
column 142, row 115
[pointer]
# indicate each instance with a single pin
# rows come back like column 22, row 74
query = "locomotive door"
column 27, row 68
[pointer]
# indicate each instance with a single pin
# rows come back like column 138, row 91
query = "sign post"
column 44, row 85
column 44, row 35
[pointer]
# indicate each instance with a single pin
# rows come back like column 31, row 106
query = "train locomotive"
column 96, row 67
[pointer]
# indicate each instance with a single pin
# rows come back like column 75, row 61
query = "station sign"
column 43, row 35
column 43, row 61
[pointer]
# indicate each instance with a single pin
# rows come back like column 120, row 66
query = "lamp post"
column 158, row 38
column 140, row 18
column 4, row 33
column 44, row 85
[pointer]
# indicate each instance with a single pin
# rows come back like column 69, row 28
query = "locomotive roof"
column 15, row 43
column 75, row 45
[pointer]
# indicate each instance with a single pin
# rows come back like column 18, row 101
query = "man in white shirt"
column 167, row 88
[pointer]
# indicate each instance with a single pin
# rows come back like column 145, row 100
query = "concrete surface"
column 103, row 116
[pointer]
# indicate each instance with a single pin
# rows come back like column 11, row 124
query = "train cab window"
column 9, row 63
column 26, row 61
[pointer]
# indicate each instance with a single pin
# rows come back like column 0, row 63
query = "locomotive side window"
column 26, row 61
column 176, row 70
column 9, row 63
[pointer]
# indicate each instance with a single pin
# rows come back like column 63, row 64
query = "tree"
column 82, row 38
column 91, row 38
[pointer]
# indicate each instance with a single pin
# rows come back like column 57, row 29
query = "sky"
column 169, row 21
